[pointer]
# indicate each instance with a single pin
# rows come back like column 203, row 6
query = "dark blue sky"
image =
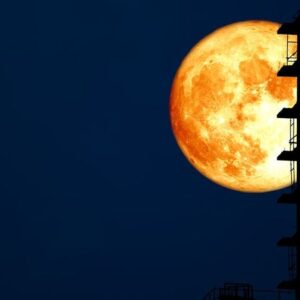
column 97, row 201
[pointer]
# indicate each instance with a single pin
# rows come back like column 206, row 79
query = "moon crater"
column 224, row 102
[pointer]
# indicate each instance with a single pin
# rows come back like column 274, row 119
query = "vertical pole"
column 297, row 292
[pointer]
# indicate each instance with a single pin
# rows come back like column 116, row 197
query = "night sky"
column 97, row 201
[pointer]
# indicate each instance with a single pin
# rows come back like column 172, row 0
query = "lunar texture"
column 224, row 102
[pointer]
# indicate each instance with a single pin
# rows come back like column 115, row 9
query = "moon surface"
column 223, row 106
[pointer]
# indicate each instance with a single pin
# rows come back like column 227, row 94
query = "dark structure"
column 292, row 69
column 238, row 291
column 244, row 291
column 231, row 291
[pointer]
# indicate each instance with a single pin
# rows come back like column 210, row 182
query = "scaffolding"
column 291, row 49
column 293, row 144
column 291, row 286
column 292, row 69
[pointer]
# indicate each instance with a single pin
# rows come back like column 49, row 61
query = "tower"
column 238, row 291
column 292, row 69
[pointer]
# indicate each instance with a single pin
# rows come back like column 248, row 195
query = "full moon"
column 223, row 106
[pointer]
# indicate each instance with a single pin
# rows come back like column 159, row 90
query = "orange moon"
column 223, row 106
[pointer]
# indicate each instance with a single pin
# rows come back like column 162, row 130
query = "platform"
column 289, row 113
column 288, row 285
column 289, row 70
column 289, row 155
column 291, row 198
column 289, row 241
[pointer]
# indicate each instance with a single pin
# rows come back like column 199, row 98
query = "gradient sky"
column 97, row 201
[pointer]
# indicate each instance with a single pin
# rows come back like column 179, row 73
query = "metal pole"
column 297, row 292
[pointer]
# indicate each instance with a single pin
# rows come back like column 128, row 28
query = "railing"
column 241, row 290
column 293, row 145
column 291, row 54
column 246, row 292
